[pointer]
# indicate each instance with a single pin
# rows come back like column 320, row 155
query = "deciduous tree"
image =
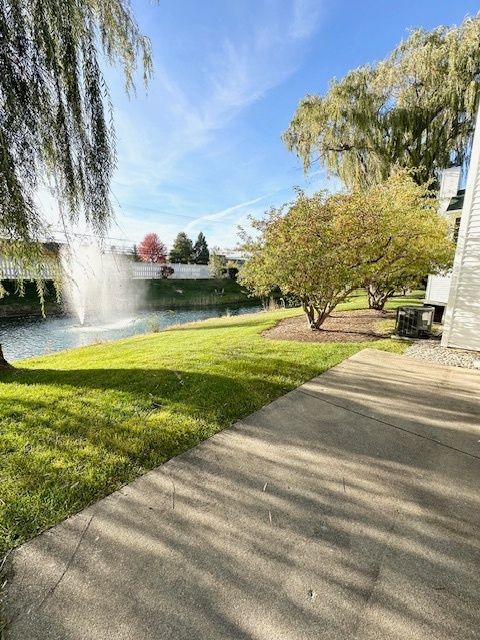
column 55, row 115
column 415, row 109
column 217, row 263
column 152, row 249
column 416, row 239
column 322, row 247
column 135, row 256
column 310, row 248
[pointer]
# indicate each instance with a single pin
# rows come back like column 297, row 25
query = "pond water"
column 27, row 337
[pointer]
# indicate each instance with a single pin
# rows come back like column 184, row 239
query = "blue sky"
column 201, row 149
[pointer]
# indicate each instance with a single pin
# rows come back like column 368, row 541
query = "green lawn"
column 77, row 425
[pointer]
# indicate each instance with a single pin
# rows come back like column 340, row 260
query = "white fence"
column 148, row 271
column 11, row 270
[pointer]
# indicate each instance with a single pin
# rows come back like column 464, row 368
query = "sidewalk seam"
column 389, row 424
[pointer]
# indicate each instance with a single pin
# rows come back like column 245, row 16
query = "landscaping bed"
column 342, row 326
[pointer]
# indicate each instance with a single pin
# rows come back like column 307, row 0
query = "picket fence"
column 147, row 271
column 11, row 270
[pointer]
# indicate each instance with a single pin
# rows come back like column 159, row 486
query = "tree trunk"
column 321, row 317
column 310, row 313
column 315, row 324
column 376, row 299
column 4, row 365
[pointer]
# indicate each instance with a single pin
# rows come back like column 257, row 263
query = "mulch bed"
column 341, row 326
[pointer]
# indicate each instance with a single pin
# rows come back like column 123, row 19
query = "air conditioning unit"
column 414, row 322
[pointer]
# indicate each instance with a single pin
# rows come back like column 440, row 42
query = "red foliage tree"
column 152, row 249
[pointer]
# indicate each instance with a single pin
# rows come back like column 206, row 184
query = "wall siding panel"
column 462, row 321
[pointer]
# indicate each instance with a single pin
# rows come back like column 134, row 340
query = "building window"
column 456, row 229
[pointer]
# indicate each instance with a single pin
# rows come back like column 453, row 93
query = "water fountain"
column 105, row 304
column 98, row 286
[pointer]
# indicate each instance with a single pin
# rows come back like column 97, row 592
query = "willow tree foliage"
column 55, row 115
column 415, row 109
column 322, row 247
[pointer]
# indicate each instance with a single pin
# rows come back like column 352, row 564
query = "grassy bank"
column 78, row 424
column 154, row 294
column 14, row 304
column 173, row 294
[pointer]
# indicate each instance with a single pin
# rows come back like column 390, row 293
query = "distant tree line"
column 184, row 251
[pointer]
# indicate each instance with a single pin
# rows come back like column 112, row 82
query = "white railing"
column 148, row 271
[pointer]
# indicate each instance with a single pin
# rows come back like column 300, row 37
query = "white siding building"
column 462, row 316
column 438, row 286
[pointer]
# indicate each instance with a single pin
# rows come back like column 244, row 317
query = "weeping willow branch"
column 414, row 110
column 55, row 113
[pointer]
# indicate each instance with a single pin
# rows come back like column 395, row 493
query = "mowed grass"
column 77, row 425
column 193, row 293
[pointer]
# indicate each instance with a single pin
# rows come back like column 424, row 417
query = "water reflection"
column 27, row 337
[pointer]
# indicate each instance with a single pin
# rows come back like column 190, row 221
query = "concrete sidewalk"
column 347, row 509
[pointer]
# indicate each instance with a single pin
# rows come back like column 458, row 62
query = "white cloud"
column 219, row 215
column 237, row 71
column 306, row 14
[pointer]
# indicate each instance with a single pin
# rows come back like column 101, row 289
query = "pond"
column 28, row 337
